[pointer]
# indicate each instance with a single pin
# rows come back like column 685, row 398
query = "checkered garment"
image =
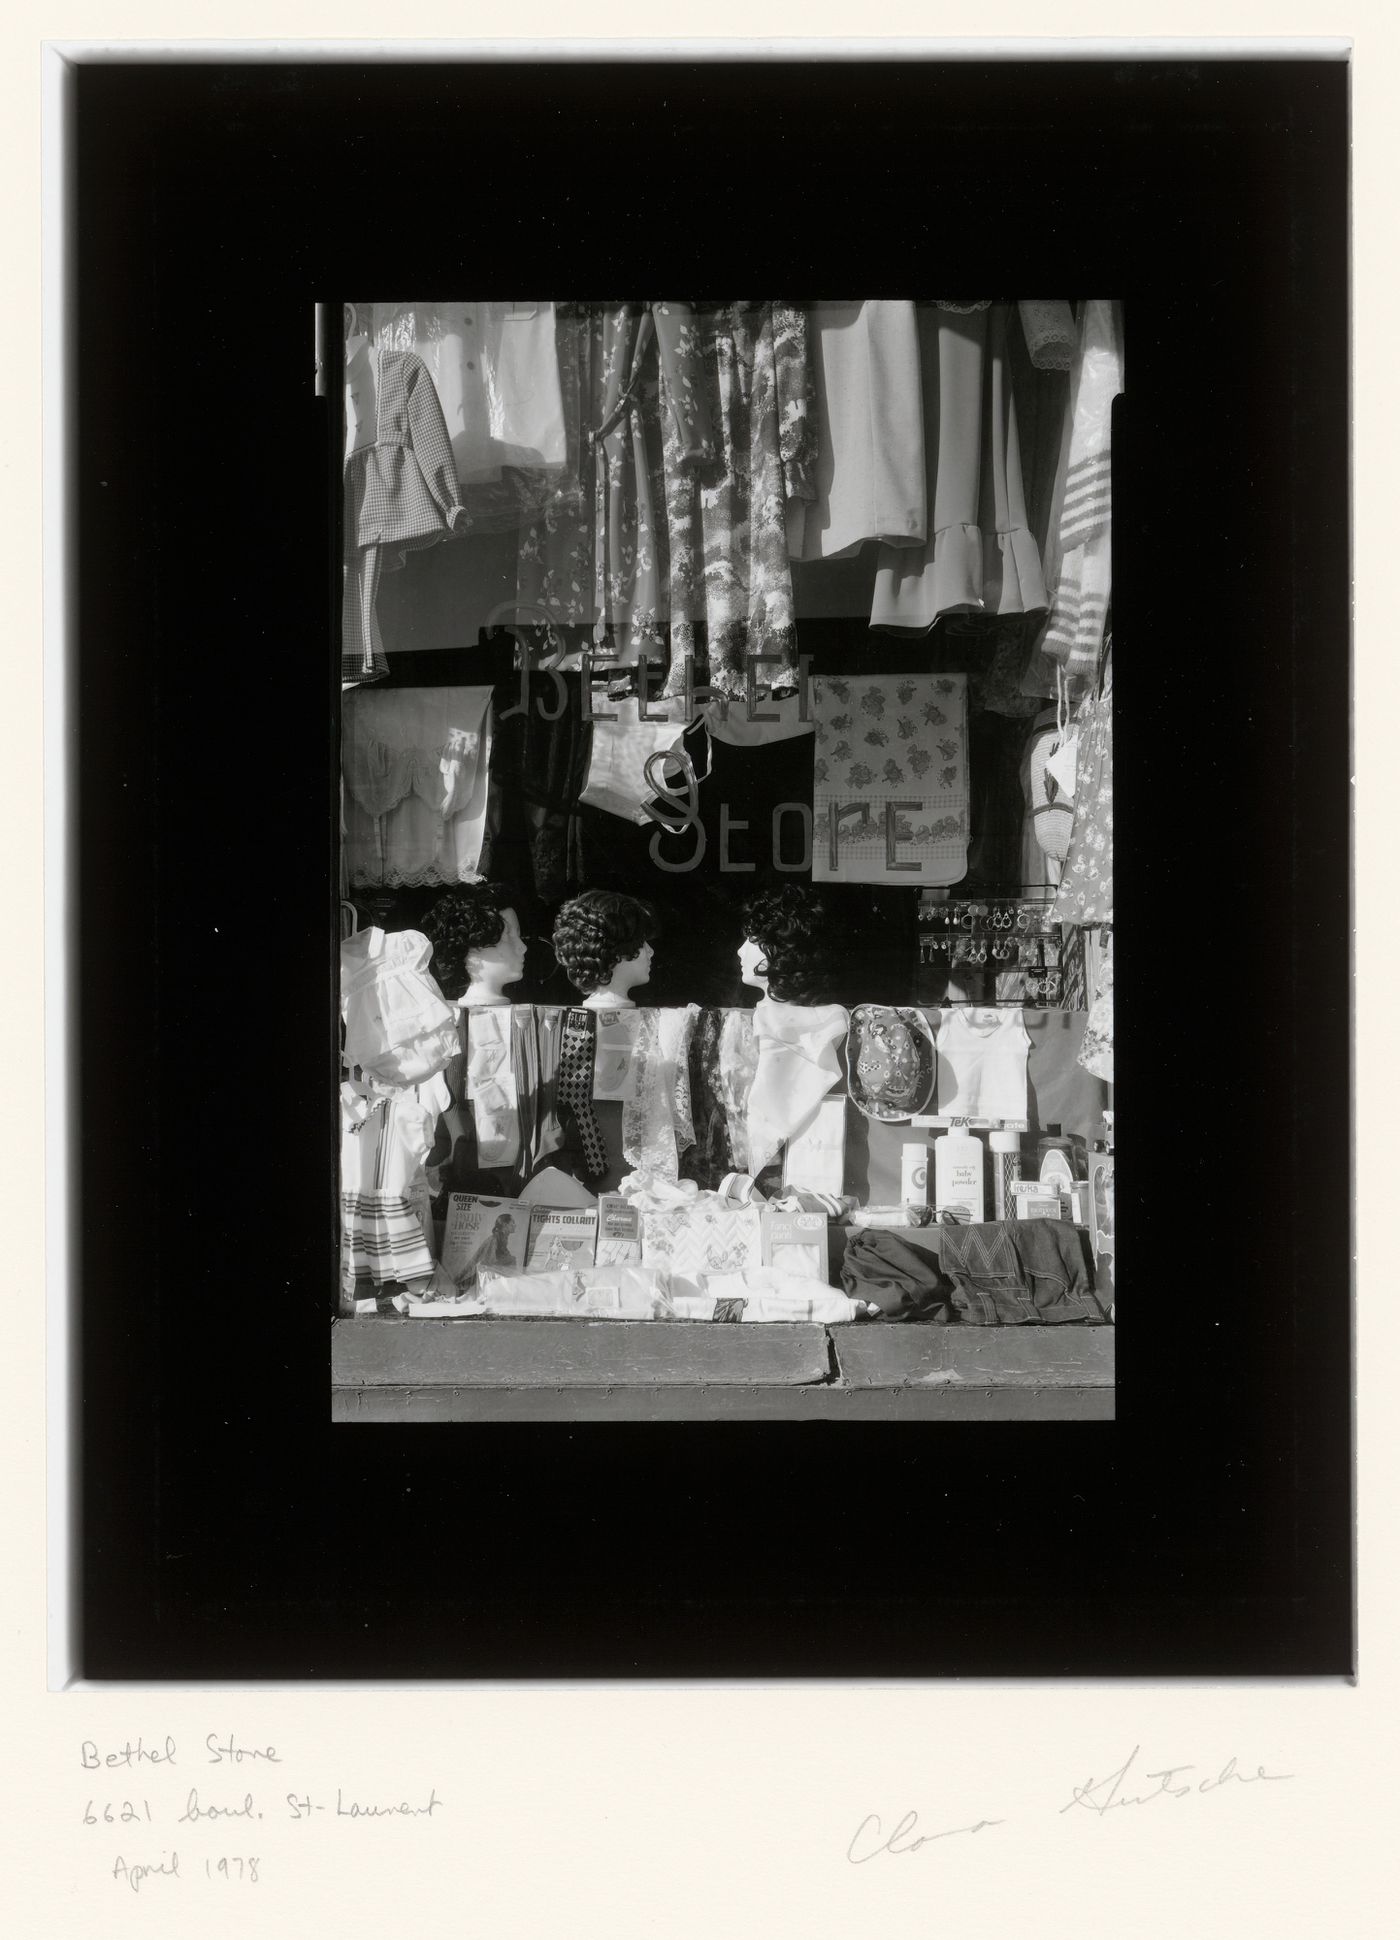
column 575, row 1086
column 401, row 494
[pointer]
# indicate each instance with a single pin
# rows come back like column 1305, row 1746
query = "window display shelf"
column 542, row 1370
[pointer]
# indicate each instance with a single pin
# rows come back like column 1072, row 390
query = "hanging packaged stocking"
column 491, row 1085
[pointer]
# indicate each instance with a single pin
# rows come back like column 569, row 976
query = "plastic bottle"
column 1056, row 1158
column 1006, row 1170
column 958, row 1161
column 913, row 1173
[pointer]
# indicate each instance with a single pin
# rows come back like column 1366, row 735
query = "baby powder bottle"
column 1006, row 1170
column 957, row 1166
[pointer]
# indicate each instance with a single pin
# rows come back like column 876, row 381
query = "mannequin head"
column 784, row 933
column 477, row 945
column 603, row 942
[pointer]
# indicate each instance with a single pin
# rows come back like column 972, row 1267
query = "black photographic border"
column 227, row 1529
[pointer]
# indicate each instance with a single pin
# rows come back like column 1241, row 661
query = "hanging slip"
column 415, row 762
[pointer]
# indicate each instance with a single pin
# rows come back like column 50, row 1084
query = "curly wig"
column 597, row 931
column 465, row 919
column 789, row 924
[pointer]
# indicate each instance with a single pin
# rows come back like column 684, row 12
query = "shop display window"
column 726, row 966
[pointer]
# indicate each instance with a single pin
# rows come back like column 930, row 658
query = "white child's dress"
column 385, row 1214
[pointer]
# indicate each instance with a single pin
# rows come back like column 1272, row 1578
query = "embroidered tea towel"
column 890, row 792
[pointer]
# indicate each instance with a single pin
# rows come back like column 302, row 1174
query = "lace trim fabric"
column 738, row 1061
column 1050, row 332
column 656, row 1119
column 681, row 1104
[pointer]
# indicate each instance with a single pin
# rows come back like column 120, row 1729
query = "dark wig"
column 465, row 919
column 789, row 924
column 597, row 931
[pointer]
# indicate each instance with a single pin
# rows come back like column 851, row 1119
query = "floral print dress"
column 596, row 555
column 739, row 443
column 688, row 432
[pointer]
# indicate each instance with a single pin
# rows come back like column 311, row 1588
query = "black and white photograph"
column 726, row 867
column 588, row 963
column 602, row 946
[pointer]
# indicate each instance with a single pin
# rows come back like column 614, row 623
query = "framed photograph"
column 727, row 809
column 604, row 957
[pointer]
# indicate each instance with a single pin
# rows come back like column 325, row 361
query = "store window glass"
column 726, row 866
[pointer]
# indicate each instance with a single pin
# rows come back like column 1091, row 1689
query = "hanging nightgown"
column 980, row 554
column 869, row 474
column 415, row 762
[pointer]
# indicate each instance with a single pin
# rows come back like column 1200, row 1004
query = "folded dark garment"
column 903, row 1279
column 1004, row 1273
column 1020, row 1273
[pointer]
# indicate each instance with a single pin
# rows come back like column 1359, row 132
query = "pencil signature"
column 1130, row 1784
column 870, row 1837
column 1101, row 1795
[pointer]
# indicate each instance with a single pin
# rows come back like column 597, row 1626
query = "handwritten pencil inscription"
column 1102, row 1795
column 210, row 1809
column 1130, row 1784
column 870, row 1839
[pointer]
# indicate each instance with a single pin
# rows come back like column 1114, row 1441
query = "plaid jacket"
column 401, row 485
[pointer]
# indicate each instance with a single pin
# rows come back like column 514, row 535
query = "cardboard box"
column 560, row 1237
column 796, row 1242
column 481, row 1232
column 1037, row 1199
column 619, row 1232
